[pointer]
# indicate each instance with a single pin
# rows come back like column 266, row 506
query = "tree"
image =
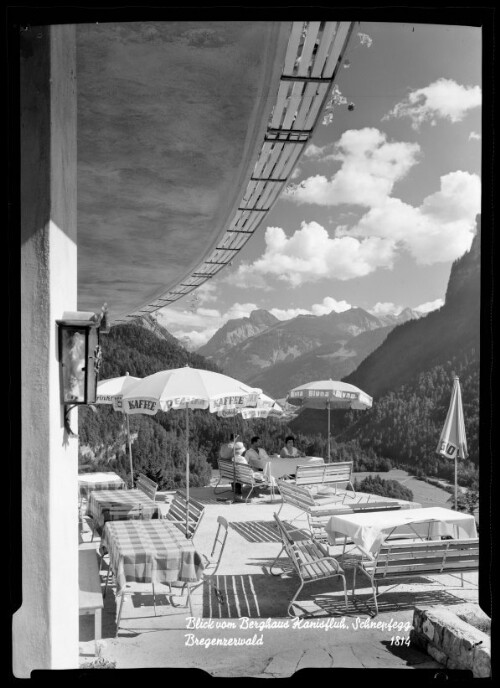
column 384, row 488
column 467, row 501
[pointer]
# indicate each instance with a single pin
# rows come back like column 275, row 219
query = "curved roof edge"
column 295, row 95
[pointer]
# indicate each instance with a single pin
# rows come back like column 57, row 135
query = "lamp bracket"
column 67, row 427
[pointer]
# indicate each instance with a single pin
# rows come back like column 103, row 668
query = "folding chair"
column 211, row 565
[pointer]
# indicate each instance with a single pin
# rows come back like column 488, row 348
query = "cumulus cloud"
column 193, row 339
column 179, row 320
column 246, row 276
column 385, row 308
column 311, row 254
column 370, row 166
column 288, row 313
column 443, row 99
column 328, row 305
column 313, row 151
column 207, row 292
column 474, row 136
column 240, row 310
column 388, row 308
column 441, row 229
column 429, row 306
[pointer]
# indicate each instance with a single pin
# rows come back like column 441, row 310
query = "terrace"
column 255, row 602
column 177, row 167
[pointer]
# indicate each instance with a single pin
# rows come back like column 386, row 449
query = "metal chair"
column 308, row 559
column 118, row 512
column 211, row 565
column 177, row 514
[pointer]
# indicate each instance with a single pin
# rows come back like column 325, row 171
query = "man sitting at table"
column 255, row 455
column 290, row 451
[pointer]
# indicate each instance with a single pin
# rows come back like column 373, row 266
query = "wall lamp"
column 79, row 358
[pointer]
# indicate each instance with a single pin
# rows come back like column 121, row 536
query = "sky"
column 383, row 199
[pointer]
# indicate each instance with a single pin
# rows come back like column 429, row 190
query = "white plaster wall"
column 45, row 628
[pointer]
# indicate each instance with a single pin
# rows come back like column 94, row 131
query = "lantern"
column 79, row 359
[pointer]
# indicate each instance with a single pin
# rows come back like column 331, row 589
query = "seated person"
column 226, row 450
column 290, row 451
column 239, row 451
column 255, row 455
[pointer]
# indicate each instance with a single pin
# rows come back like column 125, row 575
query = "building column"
column 45, row 628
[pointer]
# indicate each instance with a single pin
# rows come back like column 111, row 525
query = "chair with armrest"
column 309, row 560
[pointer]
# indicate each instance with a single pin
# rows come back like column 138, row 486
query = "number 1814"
column 400, row 640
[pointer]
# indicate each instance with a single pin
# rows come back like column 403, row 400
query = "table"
column 100, row 501
column 149, row 552
column 99, row 481
column 369, row 530
column 277, row 467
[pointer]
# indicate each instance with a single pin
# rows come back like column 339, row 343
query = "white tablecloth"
column 369, row 530
column 277, row 467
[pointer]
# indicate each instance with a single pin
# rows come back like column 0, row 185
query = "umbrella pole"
column 130, row 451
column 456, row 482
column 187, row 471
column 234, row 468
column 235, row 437
column 328, row 409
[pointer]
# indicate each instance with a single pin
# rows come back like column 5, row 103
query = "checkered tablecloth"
column 100, row 502
column 87, row 482
column 149, row 551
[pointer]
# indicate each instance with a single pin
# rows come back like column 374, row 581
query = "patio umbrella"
column 265, row 407
column 110, row 391
column 453, row 443
column 188, row 388
column 329, row 394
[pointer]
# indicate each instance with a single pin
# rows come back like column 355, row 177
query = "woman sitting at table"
column 290, row 451
column 239, row 451
column 226, row 451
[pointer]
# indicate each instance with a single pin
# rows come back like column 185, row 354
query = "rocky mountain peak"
column 237, row 330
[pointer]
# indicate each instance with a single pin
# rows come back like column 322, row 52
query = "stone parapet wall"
column 447, row 636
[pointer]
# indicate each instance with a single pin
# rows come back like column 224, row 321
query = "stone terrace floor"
column 334, row 638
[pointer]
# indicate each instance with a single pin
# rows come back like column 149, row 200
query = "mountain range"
column 410, row 376
column 276, row 355
column 407, row 368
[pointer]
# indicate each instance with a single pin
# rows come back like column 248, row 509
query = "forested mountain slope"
column 419, row 345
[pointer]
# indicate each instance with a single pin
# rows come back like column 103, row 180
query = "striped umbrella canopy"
column 266, row 407
column 329, row 394
column 453, row 442
column 111, row 391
